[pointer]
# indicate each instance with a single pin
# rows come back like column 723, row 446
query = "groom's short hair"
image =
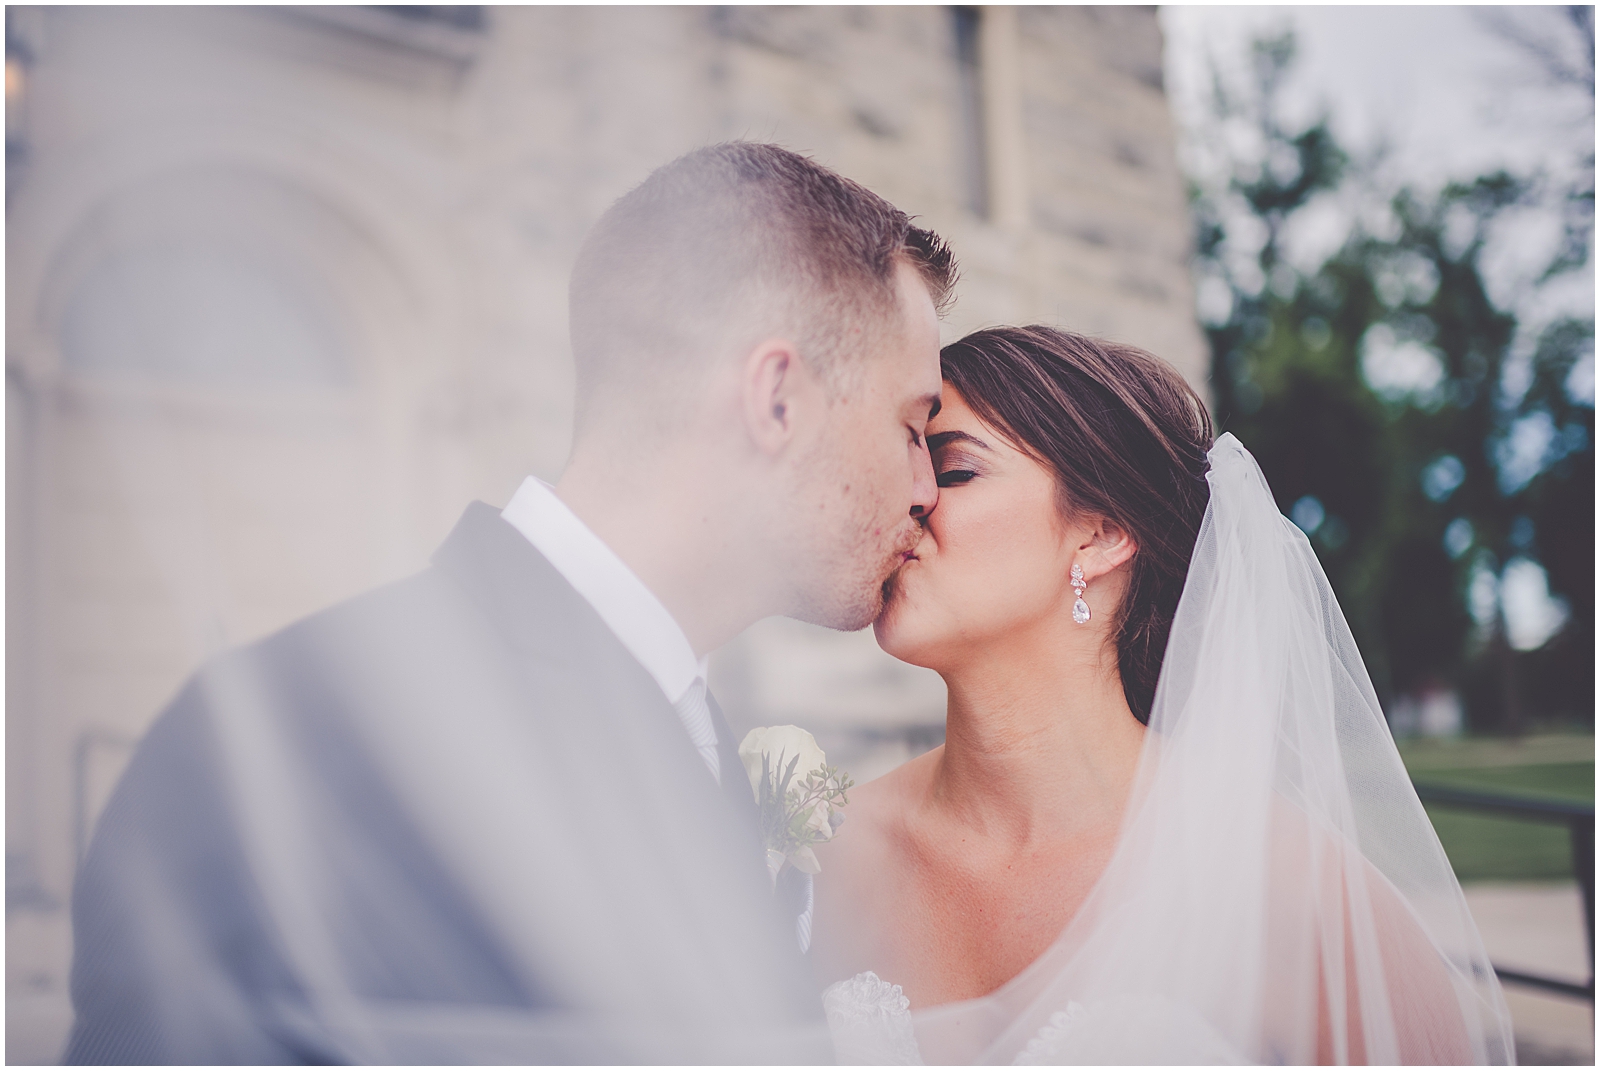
column 721, row 248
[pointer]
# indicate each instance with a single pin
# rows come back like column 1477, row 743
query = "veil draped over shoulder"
column 1277, row 894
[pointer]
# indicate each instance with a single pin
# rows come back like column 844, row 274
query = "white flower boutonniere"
column 798, row 795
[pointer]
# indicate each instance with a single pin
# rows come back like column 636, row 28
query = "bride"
column 1168, row 823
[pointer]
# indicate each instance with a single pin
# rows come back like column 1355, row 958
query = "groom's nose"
column 924, row 488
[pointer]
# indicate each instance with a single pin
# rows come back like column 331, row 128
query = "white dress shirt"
column 630, row 609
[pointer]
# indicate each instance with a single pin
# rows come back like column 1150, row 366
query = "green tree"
column 1424, row 436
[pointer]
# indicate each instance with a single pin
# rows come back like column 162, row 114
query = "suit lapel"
column 540, row 614
column 603, row 730
column 546, row 622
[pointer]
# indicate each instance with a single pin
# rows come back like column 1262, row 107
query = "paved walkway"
column 1539, row 929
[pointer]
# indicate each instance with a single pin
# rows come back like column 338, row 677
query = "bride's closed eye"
column 953, row 458
column 954, row 477
column 953, row 465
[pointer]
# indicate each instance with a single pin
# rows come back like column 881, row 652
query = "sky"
column 1444, row 90
column 1441, row 89
column 1451, row 95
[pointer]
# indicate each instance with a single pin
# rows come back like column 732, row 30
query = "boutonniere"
column 798, row 795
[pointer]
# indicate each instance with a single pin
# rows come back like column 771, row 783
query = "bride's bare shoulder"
column 865, row 845
column 862, row 872
column 879, row 806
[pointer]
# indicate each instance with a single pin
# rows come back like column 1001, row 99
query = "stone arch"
column 171, row 257
column 214, row 357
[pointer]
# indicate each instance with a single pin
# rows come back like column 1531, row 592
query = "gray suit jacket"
column 566, row 884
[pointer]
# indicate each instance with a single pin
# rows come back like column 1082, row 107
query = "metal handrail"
column 1579, row 820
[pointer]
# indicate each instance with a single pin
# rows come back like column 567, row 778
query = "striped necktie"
column 695, row 714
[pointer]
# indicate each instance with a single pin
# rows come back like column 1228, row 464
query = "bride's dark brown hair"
column 1126, row 437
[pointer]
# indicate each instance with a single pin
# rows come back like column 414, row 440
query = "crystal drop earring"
column 1080, row 609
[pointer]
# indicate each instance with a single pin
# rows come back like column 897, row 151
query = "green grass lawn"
column 1486, row 848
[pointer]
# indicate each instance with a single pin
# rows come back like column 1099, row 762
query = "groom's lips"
column 892, row 581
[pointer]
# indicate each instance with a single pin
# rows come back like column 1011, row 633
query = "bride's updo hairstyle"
column 1126, row 437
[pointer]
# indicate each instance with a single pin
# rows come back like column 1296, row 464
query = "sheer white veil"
column 1277, row 894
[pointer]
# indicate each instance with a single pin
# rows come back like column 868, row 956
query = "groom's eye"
column 952, row 477
column 916, row 437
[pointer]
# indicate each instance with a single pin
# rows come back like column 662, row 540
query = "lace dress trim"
column 870, row 1021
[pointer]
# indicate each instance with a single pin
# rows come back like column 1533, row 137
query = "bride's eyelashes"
column 954, row 477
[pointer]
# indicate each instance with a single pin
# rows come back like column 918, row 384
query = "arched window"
column 198, row 315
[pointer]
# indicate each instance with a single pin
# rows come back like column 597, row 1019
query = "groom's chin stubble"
column 860, row 602
column 845, row 609
column 888, row 589
column 886, row 592
column 860, row 614
column 861, row 610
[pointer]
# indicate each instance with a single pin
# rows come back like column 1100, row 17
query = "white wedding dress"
column 1277, row 893
column 871, row 1024
column 870, row 1021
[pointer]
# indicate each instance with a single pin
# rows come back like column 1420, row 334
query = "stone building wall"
column 286, row 289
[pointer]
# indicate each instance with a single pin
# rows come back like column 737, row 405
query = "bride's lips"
column 901, row 560
column 912, row 544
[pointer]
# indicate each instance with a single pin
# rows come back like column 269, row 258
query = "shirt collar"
column 624, row 603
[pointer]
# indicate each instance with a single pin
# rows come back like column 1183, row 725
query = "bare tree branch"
column 1561, row 42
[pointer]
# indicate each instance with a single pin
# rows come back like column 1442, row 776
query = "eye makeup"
column 953, row 457
column 954, row 477
column 953, row 466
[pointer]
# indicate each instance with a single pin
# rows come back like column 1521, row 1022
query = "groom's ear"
column 774, row 382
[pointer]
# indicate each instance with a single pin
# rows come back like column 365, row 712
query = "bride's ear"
column 1108, row 547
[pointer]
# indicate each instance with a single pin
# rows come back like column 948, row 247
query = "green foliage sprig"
column 788, row 807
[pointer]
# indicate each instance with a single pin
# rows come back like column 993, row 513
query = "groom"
column 491, row 813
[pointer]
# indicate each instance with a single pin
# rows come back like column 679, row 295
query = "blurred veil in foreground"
column 311, row 783
column 457, row 819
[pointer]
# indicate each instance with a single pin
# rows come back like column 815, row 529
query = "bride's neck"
column 1039, row 741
